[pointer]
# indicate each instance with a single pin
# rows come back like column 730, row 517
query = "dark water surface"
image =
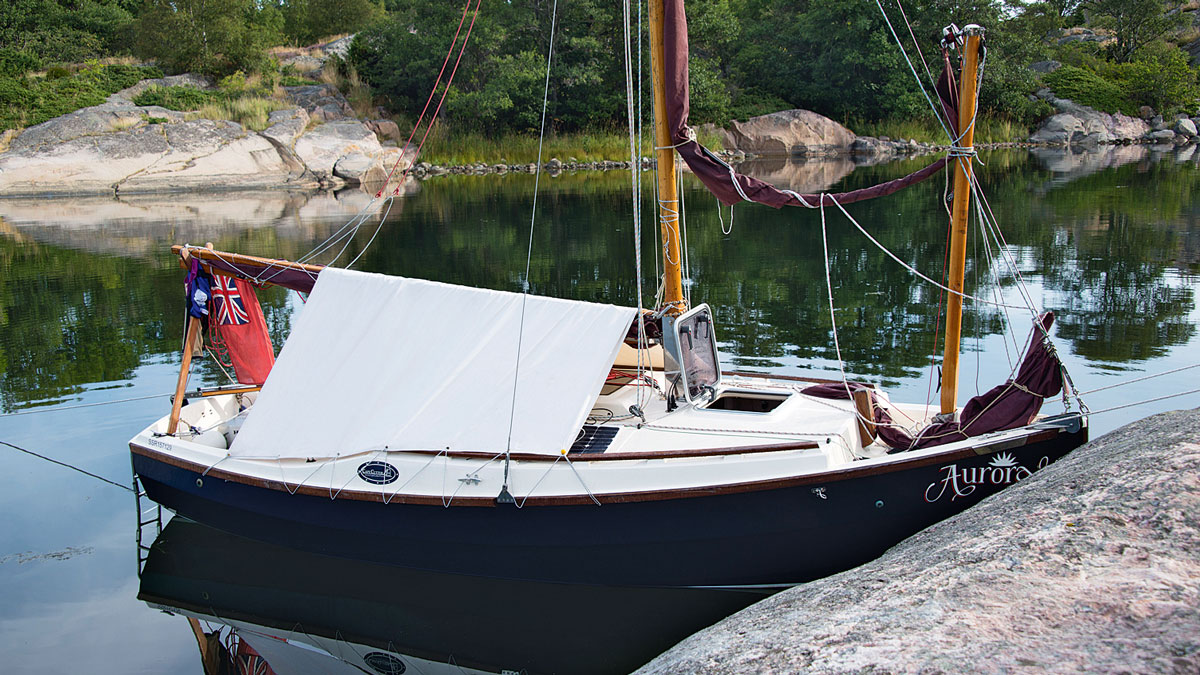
column 90, row 312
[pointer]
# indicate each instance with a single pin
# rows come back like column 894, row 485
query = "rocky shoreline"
column 119, row 147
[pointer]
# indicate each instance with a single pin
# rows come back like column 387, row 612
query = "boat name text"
column 1003, row 469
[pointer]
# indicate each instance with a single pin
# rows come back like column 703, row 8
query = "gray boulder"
column 86, row 122
column 1090, row 565
column 338, row 48
column 791, row 132
column 1045, row 66
column 1161, row 136
column 1186, row 127
column 1076, row 124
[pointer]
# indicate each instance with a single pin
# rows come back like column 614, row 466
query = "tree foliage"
column 306, row 21
column 64, row 30
column 1135, row 23
column 214, row 37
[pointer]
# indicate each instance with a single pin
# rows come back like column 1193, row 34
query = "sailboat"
column 535, row 438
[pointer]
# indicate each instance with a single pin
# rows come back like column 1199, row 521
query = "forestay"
column 378, row 362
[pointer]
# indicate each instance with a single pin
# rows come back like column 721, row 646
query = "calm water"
column 90, row 312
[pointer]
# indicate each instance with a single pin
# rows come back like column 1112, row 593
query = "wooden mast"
column 668, row 197
column 958, row 222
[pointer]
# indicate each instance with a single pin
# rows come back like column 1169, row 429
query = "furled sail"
column 1013, row 404
column 731, row 187
column 377, row 362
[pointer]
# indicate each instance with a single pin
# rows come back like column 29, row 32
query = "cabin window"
column 698, row 353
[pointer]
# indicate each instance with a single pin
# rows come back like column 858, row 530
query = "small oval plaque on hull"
column 384, row 663
column 378, row 473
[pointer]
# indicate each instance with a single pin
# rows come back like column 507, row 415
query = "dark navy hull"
column 796, row 532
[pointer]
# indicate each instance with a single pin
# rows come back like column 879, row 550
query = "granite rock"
column 1090, row 565
column 791, row 132
column 1076, row 124
column 321, row 147
column 322, row 102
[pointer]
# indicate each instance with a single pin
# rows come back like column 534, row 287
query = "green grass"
column 926, row 130
column 448, row 149
column 241, row 104
column 458, row 149
column 249, row 111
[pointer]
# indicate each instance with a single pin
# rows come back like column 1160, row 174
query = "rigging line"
column 82, row 405
column 512, row 414
column 74, row 468
column 913, row 69
column 390, row 201
column 1149, row 400
column 635, row 186
column 998, row 233
column 917, row 44
column 833, row 319
column 997, row 293
column 685, row 253
column 909, row 267
column 445, row 91
column 432, row 91
column 1140, row 379
column 351, row 225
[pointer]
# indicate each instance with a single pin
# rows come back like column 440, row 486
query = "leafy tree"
column 306, row 21
column 214, row 37
column 1136, row 23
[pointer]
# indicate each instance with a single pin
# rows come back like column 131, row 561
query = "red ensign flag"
column 243, row 329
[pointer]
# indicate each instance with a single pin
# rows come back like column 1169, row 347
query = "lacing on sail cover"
column 1007, row 406
column 731, row 187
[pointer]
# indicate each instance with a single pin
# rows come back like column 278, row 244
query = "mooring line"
column 55, row 461
column 81, row 405
column 1149, row 400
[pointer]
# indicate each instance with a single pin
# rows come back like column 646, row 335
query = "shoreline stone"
column 1090, row 565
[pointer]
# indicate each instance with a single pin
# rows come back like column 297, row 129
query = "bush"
column 755, row 102
column 1161, row 78
column 174, row 98
column 29, row 101
column 15, row 63
column 1089, row 88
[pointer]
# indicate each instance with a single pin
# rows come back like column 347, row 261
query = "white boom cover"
column 379, row 362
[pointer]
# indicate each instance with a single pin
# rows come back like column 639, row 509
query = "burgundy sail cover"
column 1010, row 405
column 717, row 176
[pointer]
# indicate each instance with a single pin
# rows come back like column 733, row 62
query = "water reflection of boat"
column 310, row 613
column 510, row 435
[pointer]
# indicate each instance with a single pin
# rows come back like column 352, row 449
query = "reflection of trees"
column 1103, row 246
column 68, row 318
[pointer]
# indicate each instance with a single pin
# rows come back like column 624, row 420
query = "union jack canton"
column 228, row 301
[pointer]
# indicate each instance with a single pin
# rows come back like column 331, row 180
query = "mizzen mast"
column 962, row 155
column 668, row 196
